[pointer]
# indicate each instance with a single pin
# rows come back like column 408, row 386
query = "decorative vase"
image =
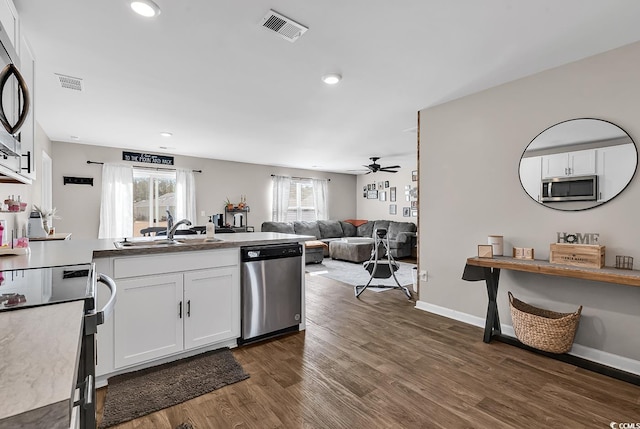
column 45, row 225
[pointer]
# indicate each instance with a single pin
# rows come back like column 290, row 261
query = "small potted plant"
column 46, row 215
column 229, row 204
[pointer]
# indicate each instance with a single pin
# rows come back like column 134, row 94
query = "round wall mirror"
column 578, row 164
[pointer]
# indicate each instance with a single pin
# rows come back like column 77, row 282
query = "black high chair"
column 381, row 268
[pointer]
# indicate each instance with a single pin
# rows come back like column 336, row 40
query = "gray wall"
column 371, row 209
column 79, row 205
column 469, row 154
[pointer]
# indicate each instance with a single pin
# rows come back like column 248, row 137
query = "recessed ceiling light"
column 166, row 134
column 166, row 147
column 331, row 78
column 146, row 8
column 75, row 138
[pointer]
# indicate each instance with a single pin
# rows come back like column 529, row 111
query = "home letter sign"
column 578, row 237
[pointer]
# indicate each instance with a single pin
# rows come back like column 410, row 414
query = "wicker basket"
column 543, row 329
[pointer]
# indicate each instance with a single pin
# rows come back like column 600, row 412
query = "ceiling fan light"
column 331, row 78
column 146, row 8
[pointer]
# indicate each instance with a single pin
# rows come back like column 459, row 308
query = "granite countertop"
column 83, row 251
column 39, row 352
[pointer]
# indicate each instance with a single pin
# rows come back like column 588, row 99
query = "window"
column 154, row 192
column 301, row 201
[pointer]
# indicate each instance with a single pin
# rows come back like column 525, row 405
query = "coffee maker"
column 218, row 220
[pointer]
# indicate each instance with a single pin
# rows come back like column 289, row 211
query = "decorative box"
column 578, row 255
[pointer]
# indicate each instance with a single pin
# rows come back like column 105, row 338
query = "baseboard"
column 588, row 353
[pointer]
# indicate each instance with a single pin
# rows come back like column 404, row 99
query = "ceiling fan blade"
column 392, row 166
column 388, row 171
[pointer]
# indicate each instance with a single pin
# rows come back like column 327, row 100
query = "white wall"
column 30, row 194
column 79, row 205
column 469, row 154
column 371, row 209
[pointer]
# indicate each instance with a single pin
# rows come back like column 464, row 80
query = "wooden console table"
column 488, row 269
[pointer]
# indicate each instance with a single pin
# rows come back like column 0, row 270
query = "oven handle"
column 106, row 311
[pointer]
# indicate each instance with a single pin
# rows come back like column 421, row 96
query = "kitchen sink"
column 197, row 240
column 146, row 243
column 129, row 243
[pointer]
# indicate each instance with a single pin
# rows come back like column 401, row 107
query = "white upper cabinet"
column 10, row 23
column 530, row 175
column 614, row 165
column 579, row 163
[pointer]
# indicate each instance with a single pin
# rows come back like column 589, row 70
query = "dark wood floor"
column 378, row 362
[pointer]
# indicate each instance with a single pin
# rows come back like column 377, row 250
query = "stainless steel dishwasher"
column 271, row 290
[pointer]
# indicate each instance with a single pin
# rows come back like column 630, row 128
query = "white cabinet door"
column 212, row 300
column 530, row 176
column 148, row 318
column 9, row 19
column 555, row 165
column 28, row 130
column 616, row 165
column 582, row 162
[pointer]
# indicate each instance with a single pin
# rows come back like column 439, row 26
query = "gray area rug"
column 139, row 393
column 355, row 274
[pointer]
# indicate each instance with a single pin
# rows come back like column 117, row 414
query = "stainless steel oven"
column 49, row 286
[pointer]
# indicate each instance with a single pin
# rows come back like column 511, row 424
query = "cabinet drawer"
column 136, row 266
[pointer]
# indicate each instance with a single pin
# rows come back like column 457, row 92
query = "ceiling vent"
column 283, row 26
column 69, row 82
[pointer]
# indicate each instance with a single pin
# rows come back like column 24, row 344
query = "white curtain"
column 116, row 207
column 185, row 195
column 320, row 191
column 281, row 189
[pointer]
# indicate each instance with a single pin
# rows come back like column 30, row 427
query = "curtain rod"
column 296, row 177
column 144, row 166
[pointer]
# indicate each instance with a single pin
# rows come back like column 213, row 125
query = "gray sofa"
column 401, row 234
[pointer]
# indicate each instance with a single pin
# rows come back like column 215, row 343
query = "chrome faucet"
column 169, row 222
column 171, row 232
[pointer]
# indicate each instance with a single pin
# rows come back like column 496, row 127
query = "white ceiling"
column 229, row 89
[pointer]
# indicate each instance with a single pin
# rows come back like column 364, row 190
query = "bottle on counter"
column 210, row 228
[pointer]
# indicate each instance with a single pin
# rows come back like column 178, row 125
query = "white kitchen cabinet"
column 168, row 305
column 531, row 176
column 147, row 323
column 210, row 313
column 28, row 129
column 10, row 22
column 616, row 165
column 578, row 163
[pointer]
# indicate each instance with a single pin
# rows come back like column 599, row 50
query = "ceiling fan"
column 374, row 167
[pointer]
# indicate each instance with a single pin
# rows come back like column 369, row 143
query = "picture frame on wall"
column 372, row 195
column 414, row 204
column 414, row 176
column 380, row 185
column 406, row 211
column 382, row 195
column 393, row 209
column 364, row 194
column 414, row 213
column 392, row 194
column 386, row 183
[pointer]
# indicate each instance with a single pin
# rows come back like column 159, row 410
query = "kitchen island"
column 180, row 277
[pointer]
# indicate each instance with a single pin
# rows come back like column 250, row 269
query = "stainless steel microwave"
column 14, row 98
column 571, row 188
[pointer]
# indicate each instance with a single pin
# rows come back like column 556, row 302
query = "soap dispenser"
column 210, row 228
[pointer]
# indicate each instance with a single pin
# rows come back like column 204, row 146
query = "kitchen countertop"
column 39, row 352
column 83, row 251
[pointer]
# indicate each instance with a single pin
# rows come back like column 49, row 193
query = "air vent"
column 70, row 82
column 283, row 26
